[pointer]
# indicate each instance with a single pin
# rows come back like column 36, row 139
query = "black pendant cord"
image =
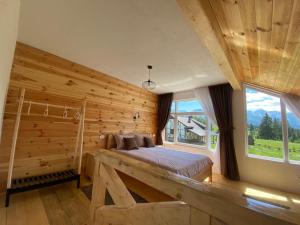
column 149, row 84
column 149, row 68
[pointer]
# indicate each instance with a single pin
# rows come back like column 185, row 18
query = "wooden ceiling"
column 254, row 41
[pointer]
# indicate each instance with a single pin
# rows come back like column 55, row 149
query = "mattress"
column 183, row 163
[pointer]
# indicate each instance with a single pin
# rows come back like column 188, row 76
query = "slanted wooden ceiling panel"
column 263, row 38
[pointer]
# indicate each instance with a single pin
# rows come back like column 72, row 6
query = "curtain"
column 293, row 103
column 221, row 96
column 202, row 94
column 163, row 113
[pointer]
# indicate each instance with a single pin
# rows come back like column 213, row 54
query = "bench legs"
column 7, row 198
column 12, row 191
column 78, row 182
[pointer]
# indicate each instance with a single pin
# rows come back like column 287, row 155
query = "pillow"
column 148, row 142
column 111, row 142
column 140, row 139
column 130, row 143
column 119, row 138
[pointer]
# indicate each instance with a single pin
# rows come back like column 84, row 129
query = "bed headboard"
column 111, row 142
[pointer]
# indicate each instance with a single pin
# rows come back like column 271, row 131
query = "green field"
column 274, row 149
column 213, row 146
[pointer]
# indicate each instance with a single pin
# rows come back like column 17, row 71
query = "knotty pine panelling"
column 259, row 37
column 47, row 144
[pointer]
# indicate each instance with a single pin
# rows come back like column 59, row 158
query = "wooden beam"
column 161, row 213
column 116, row 188
column 213, row 201
column 98, row 193
column 205, row 24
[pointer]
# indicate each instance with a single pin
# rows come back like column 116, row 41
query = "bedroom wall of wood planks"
column 47, row 144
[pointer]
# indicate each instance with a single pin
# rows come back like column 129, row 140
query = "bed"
column 194, row 166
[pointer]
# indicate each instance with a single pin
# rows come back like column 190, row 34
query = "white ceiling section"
column 120, row 38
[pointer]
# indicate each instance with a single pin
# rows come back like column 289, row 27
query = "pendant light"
column 149, row 84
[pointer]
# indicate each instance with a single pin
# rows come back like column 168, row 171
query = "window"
column 273, row 132
column 170, row 129
column 214, row 131
column 293, row 124
column 188, row 125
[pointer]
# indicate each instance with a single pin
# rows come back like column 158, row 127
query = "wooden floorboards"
column 58, row 205
column 66, row 205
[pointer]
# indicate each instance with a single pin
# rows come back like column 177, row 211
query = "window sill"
column 188, row 148
column 293, row 162
column 273, row 159
column 265, row 158
column 186, row 145
column 192, row 145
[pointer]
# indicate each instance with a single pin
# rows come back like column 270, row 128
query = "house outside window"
column 188, row 125
column 273, row 131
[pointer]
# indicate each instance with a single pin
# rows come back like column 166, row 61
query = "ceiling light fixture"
column 149, row 84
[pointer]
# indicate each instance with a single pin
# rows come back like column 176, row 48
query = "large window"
column 293, row 124
column 189, row 125
column 273, row 132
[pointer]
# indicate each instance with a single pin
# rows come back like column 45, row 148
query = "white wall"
column 262, row 172
column 182, row 95
column 9, row 19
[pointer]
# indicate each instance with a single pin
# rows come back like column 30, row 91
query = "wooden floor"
column 59, row 205
column 67, row 205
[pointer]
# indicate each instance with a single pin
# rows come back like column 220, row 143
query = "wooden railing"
column 197, row 203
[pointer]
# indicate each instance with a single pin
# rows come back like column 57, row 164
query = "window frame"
column 176, row 114
column 283, row 121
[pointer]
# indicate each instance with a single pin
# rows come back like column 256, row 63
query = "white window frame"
column 283, row 121
column 176, row 114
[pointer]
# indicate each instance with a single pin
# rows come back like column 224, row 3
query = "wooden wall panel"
column 47, row 144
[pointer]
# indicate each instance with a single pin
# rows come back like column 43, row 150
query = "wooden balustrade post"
column 98, row 193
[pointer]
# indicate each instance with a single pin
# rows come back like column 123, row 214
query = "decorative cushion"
column 130, row 143
column 119, row 138
column 148, row 142
column 140, row 139
column 111, row 142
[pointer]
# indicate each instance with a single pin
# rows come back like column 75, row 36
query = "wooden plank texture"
column 47, row 144
column 162, row 213
column 219, row 204
column 259, row 38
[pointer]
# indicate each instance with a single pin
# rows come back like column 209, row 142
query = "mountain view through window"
column 265, row 127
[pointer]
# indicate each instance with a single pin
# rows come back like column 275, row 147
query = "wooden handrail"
column 205, row 198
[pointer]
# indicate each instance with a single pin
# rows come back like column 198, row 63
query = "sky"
column 188, row 106
column 257, row 100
